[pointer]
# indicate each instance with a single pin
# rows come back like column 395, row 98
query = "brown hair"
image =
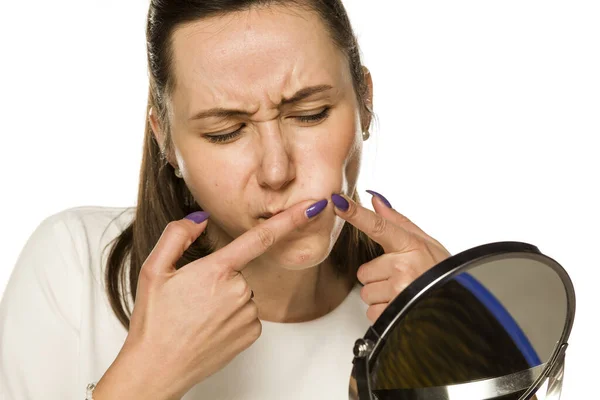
column 162, row 197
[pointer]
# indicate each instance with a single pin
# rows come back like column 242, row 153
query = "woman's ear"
column 366, row 123
column 155, row 126
column 158, row 133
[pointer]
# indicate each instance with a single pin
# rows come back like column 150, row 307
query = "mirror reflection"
column 487, row 332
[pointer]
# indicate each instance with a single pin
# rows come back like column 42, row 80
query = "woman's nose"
column 276, row 167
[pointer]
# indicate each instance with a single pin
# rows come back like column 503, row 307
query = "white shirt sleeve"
column 40, row 315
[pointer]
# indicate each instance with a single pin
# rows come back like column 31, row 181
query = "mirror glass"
column 487, row 333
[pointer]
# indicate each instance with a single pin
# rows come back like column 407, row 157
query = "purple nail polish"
column 316, row 208
column 385, row 201
column 198, row 216
column 340, row 202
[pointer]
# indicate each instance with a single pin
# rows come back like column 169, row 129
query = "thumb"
column 177, row 236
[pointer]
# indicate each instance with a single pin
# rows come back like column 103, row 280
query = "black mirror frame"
column 367, row 348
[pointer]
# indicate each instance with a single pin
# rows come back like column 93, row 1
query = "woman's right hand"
column 189, row 323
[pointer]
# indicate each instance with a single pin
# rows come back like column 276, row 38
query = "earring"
column 178, row 173
column 366, row 134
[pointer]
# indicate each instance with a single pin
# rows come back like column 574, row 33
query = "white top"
column 58, row 331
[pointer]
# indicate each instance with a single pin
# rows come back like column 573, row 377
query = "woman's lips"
column 269, row 214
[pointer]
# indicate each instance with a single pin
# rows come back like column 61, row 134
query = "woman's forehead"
column 267, row 52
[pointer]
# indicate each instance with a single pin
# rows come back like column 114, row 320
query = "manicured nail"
column 385, row 201
column 340, row 202
column 316, row 208
column 198, row 216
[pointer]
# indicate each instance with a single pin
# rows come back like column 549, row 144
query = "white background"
column 489, row 117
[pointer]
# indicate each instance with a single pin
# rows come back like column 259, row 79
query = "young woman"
column 248, row 267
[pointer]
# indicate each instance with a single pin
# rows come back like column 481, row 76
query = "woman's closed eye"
column 307, row 119
column 314, row 117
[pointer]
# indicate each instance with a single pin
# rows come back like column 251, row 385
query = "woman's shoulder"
column 89, row 230
column 74, row 240
column 86, row 227
column 53, row 301
column 59, row 258
column 72, row 227
column 93, row 218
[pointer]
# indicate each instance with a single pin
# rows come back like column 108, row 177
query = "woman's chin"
column 303, row 253
column 308, row 246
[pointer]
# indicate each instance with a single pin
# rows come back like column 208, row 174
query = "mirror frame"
column 367, row 348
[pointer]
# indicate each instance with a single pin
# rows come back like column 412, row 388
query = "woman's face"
column 263, row 116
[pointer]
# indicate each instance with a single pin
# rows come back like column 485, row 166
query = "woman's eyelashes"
column 314, row 117
column 307, row 119
column 226, row 137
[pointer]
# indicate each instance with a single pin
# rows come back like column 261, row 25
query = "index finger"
column 389, row 235
column 257, row 240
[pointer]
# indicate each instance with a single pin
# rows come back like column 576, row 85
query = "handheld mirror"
column 491, row 322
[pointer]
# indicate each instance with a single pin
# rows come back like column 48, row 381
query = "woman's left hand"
column 409, row 252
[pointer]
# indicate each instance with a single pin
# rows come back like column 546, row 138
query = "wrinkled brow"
column 226, row 113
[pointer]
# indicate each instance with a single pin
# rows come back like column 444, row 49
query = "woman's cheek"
column 342, row 156
column 353, row 163
column 311, row 247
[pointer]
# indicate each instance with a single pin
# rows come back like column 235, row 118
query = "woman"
column 256, row 115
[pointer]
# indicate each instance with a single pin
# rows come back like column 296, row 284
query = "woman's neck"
column 296, row 296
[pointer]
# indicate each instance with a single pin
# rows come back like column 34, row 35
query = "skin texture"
column 249, row 61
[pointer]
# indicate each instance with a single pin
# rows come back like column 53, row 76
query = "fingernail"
column 316, row 208
column 385, row 201
column 340, row 202
column 198, row 216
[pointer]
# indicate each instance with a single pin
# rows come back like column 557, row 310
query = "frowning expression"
column 263, row 115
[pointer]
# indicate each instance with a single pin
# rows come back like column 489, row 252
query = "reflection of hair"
column 449, row 337
column 162, row 197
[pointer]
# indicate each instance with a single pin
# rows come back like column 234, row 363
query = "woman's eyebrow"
column 226, row 113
